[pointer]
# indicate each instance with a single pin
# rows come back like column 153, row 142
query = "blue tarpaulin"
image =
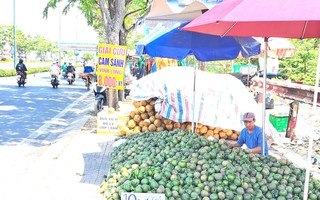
column 178, row 44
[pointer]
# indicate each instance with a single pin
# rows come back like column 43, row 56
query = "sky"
column 28, row 18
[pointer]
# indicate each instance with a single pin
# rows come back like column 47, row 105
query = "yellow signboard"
column 111, row 65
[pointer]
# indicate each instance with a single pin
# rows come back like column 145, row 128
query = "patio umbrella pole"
column 310, row 147
column 248, row 76
column 264, row 93
column 194, row 98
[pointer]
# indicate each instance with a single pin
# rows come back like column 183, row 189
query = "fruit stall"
column 175, row 144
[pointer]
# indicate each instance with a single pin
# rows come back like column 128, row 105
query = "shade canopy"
column 169, row 12
column 261, row 18
column 178, row 44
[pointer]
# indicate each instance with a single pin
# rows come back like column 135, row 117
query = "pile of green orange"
column 183, row 165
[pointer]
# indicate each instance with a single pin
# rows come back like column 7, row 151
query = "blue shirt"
column 88, row 69
column 254, row 139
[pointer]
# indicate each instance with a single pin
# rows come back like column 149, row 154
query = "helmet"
column 20, row 60
column 70, row 63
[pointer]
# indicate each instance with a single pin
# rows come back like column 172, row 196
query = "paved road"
column 37, row 111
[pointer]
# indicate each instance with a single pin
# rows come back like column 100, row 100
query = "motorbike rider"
column 64, row 66
column 71, row 69
column 87, row 70
column 55, row 70
column 58, row 64
column 21, row 67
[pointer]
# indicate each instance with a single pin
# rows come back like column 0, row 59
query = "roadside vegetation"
column 12, row 72
column 31, row 70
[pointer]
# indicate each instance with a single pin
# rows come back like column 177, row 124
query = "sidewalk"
column 71, row 168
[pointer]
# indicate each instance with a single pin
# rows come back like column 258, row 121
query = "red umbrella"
column 265, row 18
column 261, row 18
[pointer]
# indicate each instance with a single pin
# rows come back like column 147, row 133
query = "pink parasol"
column 265, row 18
column 261, row 18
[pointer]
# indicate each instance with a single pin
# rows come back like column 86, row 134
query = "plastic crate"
column 280, row 123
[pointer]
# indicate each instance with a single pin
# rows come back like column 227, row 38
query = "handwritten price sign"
column 109, row 82
column 111, row 64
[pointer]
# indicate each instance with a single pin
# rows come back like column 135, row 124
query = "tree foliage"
column 302, row 66
column 25, row 43
column 87, row 56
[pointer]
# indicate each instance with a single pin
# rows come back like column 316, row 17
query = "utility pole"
column 14, row 33
column 59, row 33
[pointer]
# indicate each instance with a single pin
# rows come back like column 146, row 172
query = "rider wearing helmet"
column 71, row 69
column 21, row 67
column 55, row 70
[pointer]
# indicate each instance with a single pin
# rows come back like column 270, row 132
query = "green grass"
column 12, row 72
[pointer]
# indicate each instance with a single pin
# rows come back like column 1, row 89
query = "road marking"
column 7, row 108
column 44, row 128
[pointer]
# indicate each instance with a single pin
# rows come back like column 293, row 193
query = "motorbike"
column 100, row 94
column 21, row 79
column 64, row 74
column 127, row 83
column 54, row 81
column 246, row 79
column 70, row 78
column 87, row 79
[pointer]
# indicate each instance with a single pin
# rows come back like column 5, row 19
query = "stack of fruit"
column 144, row 118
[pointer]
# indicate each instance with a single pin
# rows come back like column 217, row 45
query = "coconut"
column 149, row 108
column 131, row 124
column 141, row 124
column 142, row 109
column 169, row 127
column 144, row 129
column 203, row 129
column 143, row 103
column 160, row 128
column 137, row 118
column 229, row 133
column 151, row 113
column 152, row 119
column 144, row 116
column 132, row 114
column 146, row 122
column 136, row 104
column 176, row 125
column 157, row 123
column 152, row 127
column 234, row 136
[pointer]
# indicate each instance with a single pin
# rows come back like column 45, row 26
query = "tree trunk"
column 113, row 16
column 122, row 41
column 113, row 93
